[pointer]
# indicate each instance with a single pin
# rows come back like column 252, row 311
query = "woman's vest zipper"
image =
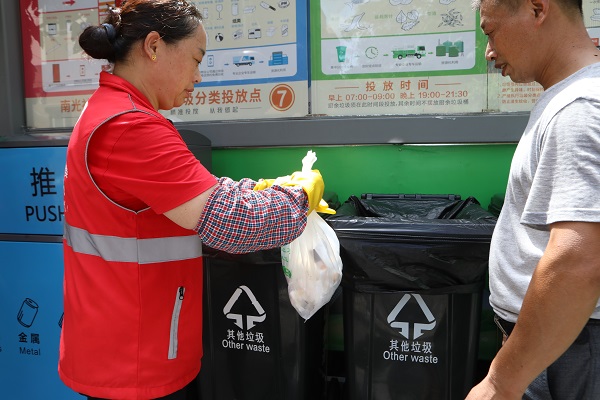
column 175, row 322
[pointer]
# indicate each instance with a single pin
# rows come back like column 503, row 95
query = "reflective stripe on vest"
column 141, row 251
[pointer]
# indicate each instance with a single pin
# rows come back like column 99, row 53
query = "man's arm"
column 562, row 294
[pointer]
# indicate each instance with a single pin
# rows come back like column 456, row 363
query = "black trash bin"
column 414, row 270
column 256, row 346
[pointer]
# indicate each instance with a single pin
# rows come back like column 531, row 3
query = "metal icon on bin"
column 27, row 312
column 238, row 319
column 404, row 327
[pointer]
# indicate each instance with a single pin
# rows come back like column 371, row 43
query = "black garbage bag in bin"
column 414, row 270
column 256, row 346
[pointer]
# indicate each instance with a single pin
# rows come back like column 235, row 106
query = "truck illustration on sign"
column 243, row 60
column 405, row 53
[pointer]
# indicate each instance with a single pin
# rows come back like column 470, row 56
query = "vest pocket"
column 175, row 323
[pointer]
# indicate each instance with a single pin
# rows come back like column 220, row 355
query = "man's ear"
column 539, row 8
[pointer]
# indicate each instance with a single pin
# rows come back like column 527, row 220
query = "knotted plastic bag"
column 312, row 263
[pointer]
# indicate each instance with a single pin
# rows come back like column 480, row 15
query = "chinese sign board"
column 373, row 57
column 256, row 65
column 368, row 57
column 32, row 199
column 396, row 57
column 59, row 78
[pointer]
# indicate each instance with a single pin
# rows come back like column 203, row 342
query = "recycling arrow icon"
column 404, row 327
column 238, row 319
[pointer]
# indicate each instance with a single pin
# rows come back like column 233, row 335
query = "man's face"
column 510, row 44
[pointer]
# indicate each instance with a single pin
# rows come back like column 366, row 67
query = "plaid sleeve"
column 229, row 183
column 237, row 219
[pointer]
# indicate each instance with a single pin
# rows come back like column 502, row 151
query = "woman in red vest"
column 139, row 205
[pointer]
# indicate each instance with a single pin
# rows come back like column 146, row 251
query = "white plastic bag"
column 312, row 263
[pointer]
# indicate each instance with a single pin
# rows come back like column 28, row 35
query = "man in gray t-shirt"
column 554, row 177
column 545, row 252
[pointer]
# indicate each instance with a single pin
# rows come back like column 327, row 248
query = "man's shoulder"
column 582, row 86
column 586, row 80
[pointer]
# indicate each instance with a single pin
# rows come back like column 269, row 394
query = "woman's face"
column 179, row 70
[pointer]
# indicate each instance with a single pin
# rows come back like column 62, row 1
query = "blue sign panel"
column 31, row 310
column 31, row 194
column 249, row 44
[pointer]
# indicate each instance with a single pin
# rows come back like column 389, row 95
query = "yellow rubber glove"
column 313, row 185
column 265, row 183
column 323, row 207
column 311, row 182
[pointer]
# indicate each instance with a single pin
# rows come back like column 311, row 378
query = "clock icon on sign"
column 371, row 52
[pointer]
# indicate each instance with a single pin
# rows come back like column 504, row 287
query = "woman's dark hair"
column 133, row 21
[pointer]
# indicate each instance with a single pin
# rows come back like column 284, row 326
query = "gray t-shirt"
column 554, row 176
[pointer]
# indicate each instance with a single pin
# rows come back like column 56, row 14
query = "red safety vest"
column 132, row 325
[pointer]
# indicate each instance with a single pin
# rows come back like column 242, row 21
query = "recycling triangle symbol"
column 404, row 327
column 238, row 319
